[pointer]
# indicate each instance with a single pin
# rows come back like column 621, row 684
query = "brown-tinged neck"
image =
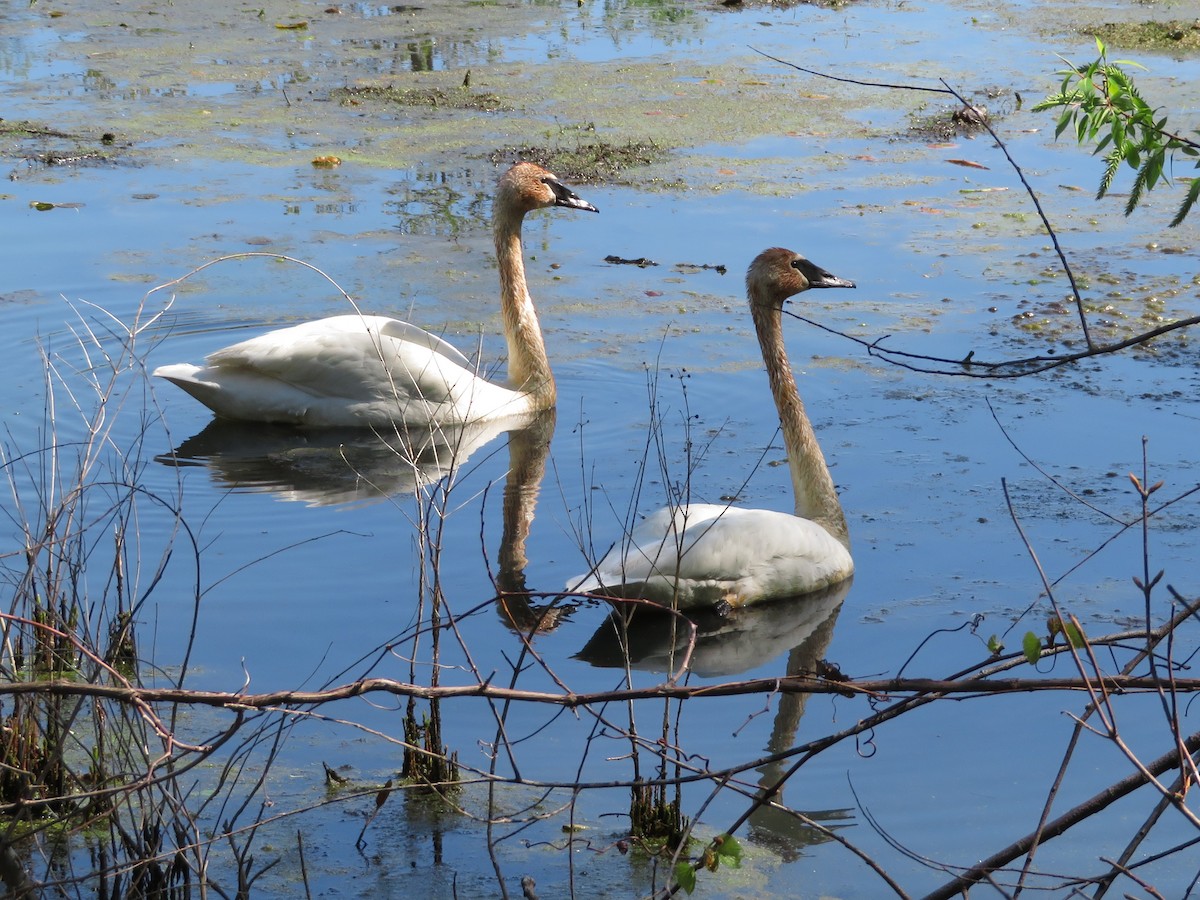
column 528, row 366
column 816, row 496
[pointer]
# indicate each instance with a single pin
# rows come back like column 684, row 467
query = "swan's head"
column 526, row 187
column 777, row 274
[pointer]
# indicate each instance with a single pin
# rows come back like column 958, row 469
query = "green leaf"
column 685, row 876
column 1063, row 122
column 1111, row 163
column 995, row 645
column 1118, row 132
column 728, row 849
column 1188, row 202
column 1081, row 128
column 1031, row 645
column 1052, row 101
column 1154, row 169
column 1074, row 634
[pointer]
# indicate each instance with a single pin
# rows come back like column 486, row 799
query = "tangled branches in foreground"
column 123, row 778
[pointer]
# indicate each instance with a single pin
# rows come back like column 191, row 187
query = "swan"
column 705, row 554
column 358, row 370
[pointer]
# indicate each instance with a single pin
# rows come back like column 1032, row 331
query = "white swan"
column 374, row 371
column 707, row 554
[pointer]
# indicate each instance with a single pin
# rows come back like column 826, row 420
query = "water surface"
column 217, row 122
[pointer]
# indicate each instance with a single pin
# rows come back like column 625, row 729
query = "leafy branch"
column 1102, row 104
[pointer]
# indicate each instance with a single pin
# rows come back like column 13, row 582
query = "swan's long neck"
column 528, row 365
column 816, row 496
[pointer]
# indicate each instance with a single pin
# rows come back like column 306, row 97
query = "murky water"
column 314, row 592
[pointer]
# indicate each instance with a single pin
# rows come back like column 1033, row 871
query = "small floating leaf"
column 1031, row 644
column 967, row 163
column 41, row 205
column 327, row 162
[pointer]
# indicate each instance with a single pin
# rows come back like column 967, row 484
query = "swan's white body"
column 345, row 370
column 356, row 370
column 709, row 554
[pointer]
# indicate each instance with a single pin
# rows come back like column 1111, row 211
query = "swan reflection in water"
column 650, row 640
column 527, row 453
column 331, row 466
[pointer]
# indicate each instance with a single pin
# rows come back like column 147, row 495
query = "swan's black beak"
column 825, row 280
column 564, row 196
column 818, row 277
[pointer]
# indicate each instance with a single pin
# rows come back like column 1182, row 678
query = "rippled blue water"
column 302, row 594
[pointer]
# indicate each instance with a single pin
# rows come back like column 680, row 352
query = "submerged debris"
column 1161, row 36
column 975, row 116
column 953, row 122
column 719, row 268
column 433, row 97
column 586, row 162
column 641, row 261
